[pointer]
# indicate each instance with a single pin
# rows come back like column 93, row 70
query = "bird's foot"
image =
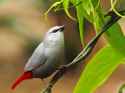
column 62, row 67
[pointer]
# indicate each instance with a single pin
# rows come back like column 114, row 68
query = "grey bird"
column 46, row 58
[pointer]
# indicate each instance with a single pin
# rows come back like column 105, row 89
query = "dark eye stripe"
column 55, row 31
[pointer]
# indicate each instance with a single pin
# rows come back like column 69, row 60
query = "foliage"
column 99, row 68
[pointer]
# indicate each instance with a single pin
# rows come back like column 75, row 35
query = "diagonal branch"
column 122, row 87
column 85, row 52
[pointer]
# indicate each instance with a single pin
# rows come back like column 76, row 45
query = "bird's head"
column 54, row 37
column 56, row 29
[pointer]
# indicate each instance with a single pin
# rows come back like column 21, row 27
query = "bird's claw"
column 62, row 67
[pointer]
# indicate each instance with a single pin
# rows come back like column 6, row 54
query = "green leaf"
column 116, row 38
column 87, row 5
column 52, row 6
column 86, row 10
column 66, row 6
column 80, row 17
column 113, row 5
column 98, row 18
column 98, row 70
column 91, row 10
column 84, row 5
column 95, row 3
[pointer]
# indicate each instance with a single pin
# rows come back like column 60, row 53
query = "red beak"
column 24, row 76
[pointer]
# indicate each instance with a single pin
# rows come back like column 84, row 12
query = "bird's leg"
column 54, row 79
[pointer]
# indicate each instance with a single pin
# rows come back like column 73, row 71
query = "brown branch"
column 122, row 87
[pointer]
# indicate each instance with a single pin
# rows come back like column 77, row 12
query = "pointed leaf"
column 66, row 6
column 98, row 70
column 116, row 38
column 80, row 17
column 51, row 7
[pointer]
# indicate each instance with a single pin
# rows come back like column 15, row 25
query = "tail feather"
column 24, row 76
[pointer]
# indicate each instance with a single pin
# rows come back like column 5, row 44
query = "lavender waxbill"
column 46, row 58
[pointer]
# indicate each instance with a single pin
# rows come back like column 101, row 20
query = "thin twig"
column 85, row 52
column 121, row 88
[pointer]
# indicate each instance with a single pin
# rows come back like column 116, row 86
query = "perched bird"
column 46, row 58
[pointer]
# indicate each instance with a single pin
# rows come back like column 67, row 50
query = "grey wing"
column 46, row 70
column 37, row 59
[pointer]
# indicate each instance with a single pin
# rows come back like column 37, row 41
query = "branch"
column 85, row 52
column 121, row 88
column 54, row 79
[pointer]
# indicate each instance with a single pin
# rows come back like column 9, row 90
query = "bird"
column 46, row 58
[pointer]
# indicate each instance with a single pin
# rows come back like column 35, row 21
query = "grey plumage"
column 49, row 54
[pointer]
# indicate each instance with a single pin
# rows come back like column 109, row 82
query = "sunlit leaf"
column 51, row 7
column 98, row 18
column 80, row 17
column 98, row 70
column 66, row 6
column 91, row 10
column 87, row 5
column 116, row 38
column 113, row 4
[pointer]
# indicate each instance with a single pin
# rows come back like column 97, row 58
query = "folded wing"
column 37, row 59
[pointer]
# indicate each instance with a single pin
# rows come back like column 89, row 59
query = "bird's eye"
column 54, row 31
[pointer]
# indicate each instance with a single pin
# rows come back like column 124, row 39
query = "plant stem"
column 121, row 88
